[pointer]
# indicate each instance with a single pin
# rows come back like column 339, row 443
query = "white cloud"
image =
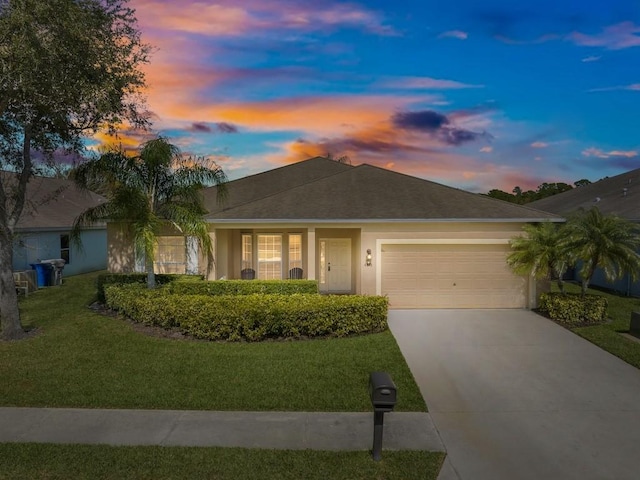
column 459, row 34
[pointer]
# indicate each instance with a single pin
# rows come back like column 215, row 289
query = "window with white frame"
column 171, row 255
column 295, row 251
column 65, row 250
column 269, row 257
column 247, row 252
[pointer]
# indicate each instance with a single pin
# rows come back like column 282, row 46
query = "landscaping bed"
column 253, row 317
column 607, row 335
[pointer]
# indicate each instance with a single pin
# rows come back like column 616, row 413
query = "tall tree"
column 605, row 241
column 67, row 69
column 152, row 190
column 539, row 252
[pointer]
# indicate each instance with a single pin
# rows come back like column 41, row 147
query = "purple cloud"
column 438, row 125
column 220, row 127
column 200, row 128
column 224, row 127
column 422, row 120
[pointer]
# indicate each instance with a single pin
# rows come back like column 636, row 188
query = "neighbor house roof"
column 619, row 195
column 362, row 193
column 52, row 203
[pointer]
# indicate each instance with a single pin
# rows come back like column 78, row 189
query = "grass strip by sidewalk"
column 34, row 461
column 607, row 336
column 82, row 359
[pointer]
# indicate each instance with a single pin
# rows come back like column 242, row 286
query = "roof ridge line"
column 272, row 194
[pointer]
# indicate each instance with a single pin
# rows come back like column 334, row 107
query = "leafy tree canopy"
column 68, row 68
column 157, row 188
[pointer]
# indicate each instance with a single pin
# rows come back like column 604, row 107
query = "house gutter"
column 383, row 220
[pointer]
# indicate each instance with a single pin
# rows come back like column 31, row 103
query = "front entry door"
column 335, row 265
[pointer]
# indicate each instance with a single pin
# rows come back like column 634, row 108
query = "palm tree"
column 605, row 241
column 149, row 191
column 539, row 253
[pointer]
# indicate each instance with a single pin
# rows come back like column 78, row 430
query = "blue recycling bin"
column 43, row 273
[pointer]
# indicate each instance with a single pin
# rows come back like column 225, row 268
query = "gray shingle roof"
column 254, row 187
column 52, row 203
column 619, row 195
column 364, row 193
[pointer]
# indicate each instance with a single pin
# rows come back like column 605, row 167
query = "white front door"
column 335, row 265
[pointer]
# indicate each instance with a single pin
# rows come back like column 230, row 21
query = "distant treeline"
column 545, row 190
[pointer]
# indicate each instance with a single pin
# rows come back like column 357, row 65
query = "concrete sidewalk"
column 271, row 430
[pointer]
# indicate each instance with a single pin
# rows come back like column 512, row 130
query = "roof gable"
column 261, row 185
column 619, row 195
column 371, row 193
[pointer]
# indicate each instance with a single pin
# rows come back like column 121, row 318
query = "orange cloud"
column 321, row 115
column 193, row 17
column 226, row 18
column 425, row 83
column 539, row 145
column 614, row 37
column 596, row 152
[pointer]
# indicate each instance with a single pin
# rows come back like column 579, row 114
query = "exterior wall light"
column 368, row 261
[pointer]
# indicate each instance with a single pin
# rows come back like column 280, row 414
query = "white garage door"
column 450, row 276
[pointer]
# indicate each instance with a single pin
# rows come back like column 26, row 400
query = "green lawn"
column 92, row 462
column 607, row 336
column 79, row 358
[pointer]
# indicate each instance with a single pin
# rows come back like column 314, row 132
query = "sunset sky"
column 472, row 94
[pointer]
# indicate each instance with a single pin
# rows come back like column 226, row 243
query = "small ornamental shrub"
column 244, row 287
column 252, row 317
column 139, row 278
column 573, row 308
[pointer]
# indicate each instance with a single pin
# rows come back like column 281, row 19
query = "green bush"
column 574, row 308
column 138, row 278
column 244, row 287
column 252, row 317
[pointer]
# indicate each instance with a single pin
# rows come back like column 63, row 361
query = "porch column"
column 192, row 256
column 311, row 254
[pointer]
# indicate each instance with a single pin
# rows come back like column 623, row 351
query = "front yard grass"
column 78, row 358
column 34, row 461
column 607, row 336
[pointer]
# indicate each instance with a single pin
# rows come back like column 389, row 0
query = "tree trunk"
column 151, row 276
column 10, row 326
column 585, row 286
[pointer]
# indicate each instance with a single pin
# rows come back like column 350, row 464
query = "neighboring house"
column 359, row 229
column 619, row 195
column 42, row 233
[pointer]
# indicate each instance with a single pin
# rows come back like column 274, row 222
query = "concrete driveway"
column 515, row 396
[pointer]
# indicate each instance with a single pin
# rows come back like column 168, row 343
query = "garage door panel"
column 450, row 276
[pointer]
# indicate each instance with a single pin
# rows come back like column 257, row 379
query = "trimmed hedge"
column 252, row 317
column 244, row 287
column 138, row 278
column 574, row 308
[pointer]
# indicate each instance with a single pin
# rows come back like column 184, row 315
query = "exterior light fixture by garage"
column 368, row 262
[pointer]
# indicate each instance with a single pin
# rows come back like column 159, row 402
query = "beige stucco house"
column 357, row 229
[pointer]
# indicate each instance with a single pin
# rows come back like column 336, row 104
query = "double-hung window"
column 269, row 257
column 65, row 250
column 295, row 250
column 171, row 255
column 247, row 252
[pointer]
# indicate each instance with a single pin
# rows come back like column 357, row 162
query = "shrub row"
column 139, row 278
column 244, row 287
column 573, row 308
column 251, row 317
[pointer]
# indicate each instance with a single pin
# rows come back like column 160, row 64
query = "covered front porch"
column 329, row 255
